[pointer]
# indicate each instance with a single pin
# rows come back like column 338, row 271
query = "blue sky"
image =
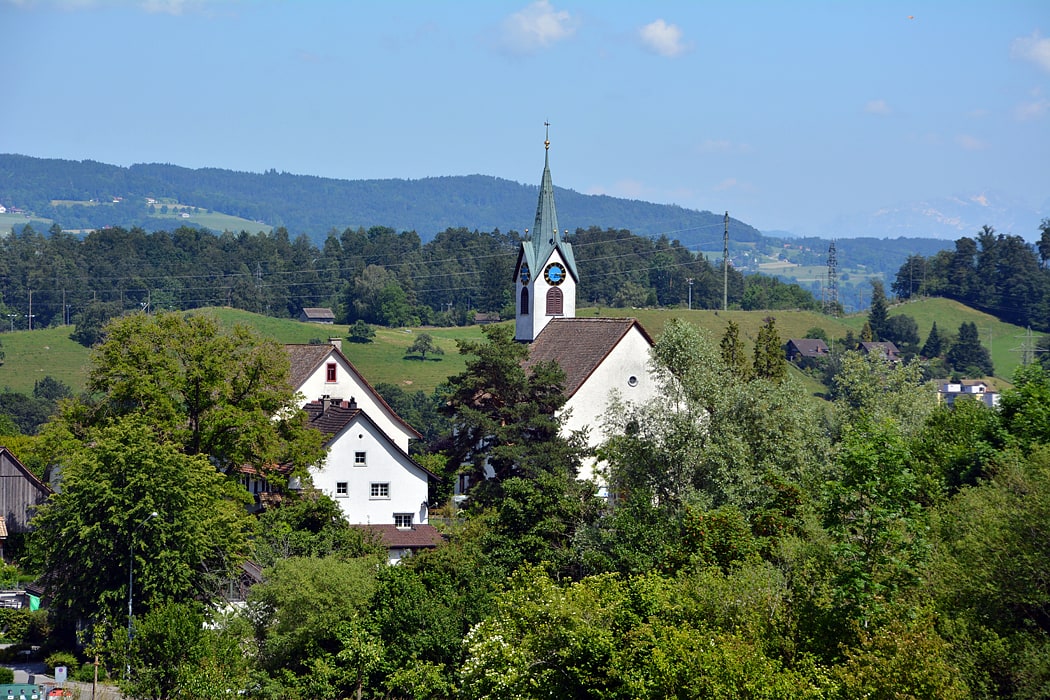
column 786, row 114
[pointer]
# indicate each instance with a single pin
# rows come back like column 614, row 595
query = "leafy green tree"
column 934, row 345
column 216, row 392
column 902, row 331
column 86, row 536
column 51, row 389
column 305, row 611
column 817, row 333
column 361, row 332
column 989, row 575
column 967, row 354
column 308, row 525
column 1044, row 242
column 733, row 354
column 423, row 344
column 873, row 387
column 770, row 362
column 872, row 511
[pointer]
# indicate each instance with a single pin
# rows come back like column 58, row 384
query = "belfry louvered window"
column 554, row 302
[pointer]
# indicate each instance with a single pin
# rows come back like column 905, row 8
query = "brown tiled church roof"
column 579, row 345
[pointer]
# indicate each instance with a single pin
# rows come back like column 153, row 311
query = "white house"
column 369, row 476
column 324, row 371
column 975, row 390
column 367, row 469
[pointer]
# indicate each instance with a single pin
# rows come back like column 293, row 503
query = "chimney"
column 353, row 404
column 337, row 342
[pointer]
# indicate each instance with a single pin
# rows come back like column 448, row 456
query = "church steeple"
column 546, row 274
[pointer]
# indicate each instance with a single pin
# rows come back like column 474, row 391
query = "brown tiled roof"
column 809, row 347
column 415, row 537
column 579, row 345
column 306, row 358
column 332, row 421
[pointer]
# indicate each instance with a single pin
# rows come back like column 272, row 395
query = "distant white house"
column 972, row 390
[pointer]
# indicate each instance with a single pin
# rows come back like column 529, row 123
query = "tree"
column 934, row 345
column 51, row 389
column 733, row 354
column 902, row 331
column 770, row 362
column 505, row 416
column 211, row 391
column 87, row 534
column 361, row 332
column 303, row 609
column 423, row 344
column 967, row 354
column 1044, row 242
column 878, row 314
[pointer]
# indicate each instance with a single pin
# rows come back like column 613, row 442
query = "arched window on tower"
column 524, row 301
column 554, row 302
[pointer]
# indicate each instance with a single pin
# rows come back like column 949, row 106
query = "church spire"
column 545, row 231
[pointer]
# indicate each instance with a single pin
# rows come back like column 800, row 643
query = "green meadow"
column 32, row 355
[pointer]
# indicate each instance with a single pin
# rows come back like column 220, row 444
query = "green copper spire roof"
column 545, row 237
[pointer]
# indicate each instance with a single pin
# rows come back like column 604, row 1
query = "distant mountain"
column 315, row 206
column 945, row 218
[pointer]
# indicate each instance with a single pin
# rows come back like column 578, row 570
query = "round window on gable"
column 632, row 381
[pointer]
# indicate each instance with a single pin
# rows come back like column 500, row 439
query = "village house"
column 317, row 315
column 367, row 470
column 967, row 390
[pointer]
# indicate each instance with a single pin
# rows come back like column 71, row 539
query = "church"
column 599, row 355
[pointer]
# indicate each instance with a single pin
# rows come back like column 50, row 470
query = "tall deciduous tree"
column 211, row 391
column 101, row 522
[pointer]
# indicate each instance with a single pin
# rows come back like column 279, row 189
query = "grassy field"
column 30, row 356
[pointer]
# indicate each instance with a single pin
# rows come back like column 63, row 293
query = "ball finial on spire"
column 546, row 136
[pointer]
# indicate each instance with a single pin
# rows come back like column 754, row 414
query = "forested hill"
column 315, row 205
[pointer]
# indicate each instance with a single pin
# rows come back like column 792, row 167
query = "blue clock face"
column 554, row 274
column 526, row 275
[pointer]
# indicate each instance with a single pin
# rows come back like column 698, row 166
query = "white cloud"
column 662, row 38
column 878, row 107
column 537, row 26
column 1033, row 48
column 970, row 143
column 1037, row 109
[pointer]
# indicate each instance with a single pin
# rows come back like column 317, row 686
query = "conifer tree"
column 866, row 334
column 878, row 314
column 733, row 352
column 967, row 352
column 770, row 362
column 934, row 346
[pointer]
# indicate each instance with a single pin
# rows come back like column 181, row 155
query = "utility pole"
column 30, row 316
column 831, row 299
column 689, row 281
column 725, row 266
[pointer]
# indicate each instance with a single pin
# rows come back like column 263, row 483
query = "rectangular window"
column 330, row 372
column 342, row 489
column 403, row 520
column 359, row 459
column 379, row 490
